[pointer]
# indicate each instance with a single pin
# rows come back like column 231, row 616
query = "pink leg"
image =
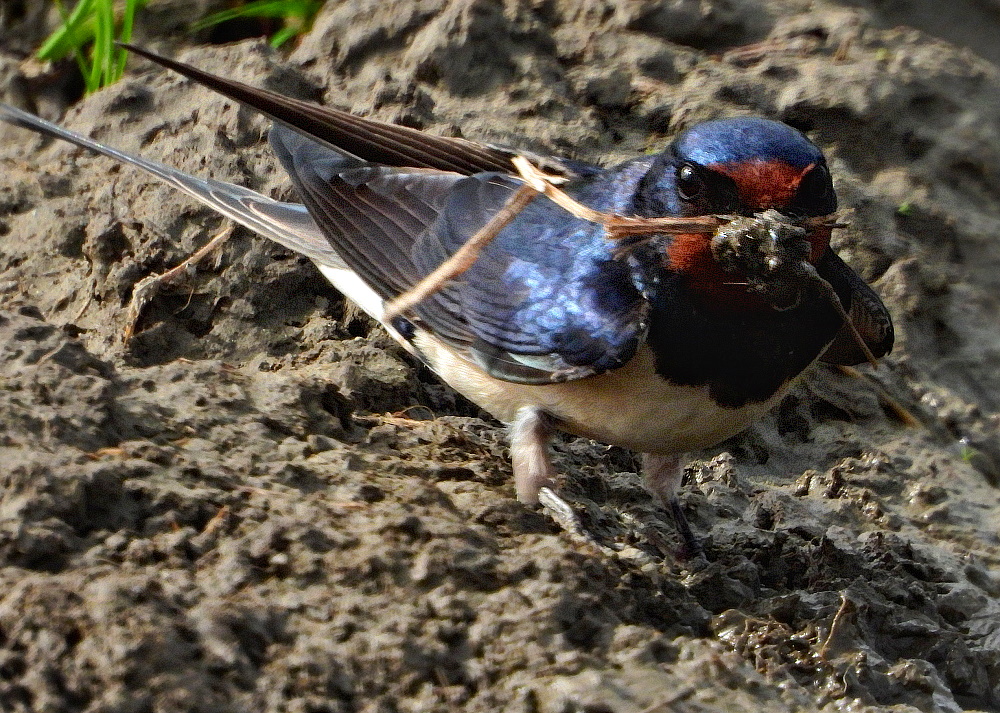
column 663, row 474
column 529, row 452
column 534, row 474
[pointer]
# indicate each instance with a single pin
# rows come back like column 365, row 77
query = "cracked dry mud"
column 262, row 504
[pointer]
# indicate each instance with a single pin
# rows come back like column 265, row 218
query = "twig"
column 827, row 289
column 536, row 182
column 839, row 621
column 898, row 410
column 616, row 227
column 464, row 258
column 147, row 287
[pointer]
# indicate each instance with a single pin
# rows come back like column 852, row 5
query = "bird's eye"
column 815, row 195
column 689, row 183
column 818, row 181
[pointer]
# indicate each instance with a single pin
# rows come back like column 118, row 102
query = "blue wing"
column 545, row 301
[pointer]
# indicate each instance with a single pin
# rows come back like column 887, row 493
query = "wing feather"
column 289, row 224
column 369, row 140
column 867, row 312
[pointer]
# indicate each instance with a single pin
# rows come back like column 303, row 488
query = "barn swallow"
column 661, row 345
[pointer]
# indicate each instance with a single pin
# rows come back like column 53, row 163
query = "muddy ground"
column 260, row 503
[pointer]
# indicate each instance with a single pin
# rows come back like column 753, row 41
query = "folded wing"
column 545, row 301
column 868, row 313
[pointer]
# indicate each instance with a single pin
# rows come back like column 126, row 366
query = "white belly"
column 631, row 407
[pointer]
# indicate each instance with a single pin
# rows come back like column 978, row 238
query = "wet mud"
column 261, row 503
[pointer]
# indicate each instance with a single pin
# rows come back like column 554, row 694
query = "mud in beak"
column 770, row 252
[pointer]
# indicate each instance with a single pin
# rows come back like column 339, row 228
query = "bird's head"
column 760, row 169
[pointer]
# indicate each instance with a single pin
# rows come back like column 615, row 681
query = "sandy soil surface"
column 260, row 503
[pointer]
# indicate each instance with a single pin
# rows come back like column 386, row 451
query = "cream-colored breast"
column 631, row 407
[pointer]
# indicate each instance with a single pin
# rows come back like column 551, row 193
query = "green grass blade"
column 104, row 17
column 76, row 30
column 283, row 35
column 93, row 23
column 258, row 8
column 128, row 19
column 296, row 16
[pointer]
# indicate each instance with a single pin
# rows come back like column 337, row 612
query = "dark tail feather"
column 366, row 139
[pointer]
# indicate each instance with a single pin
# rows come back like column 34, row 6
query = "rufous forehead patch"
column 764, row 184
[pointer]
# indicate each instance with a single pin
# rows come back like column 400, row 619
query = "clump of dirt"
column 261, row 503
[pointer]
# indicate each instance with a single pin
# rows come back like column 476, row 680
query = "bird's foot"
column 691, row 547
column 663, row 475
column 560, row 511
